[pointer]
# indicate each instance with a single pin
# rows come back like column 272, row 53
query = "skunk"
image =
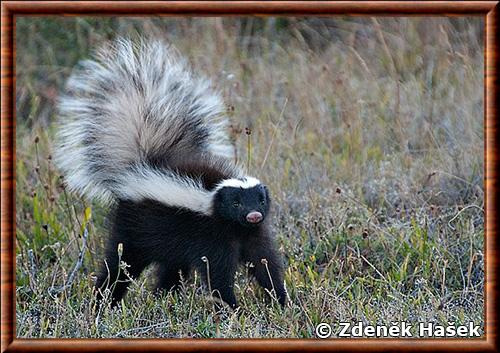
column 139, row 132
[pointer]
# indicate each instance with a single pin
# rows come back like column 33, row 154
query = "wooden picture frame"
column 12, row 9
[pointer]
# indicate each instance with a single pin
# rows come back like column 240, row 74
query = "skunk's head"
column 245, row 201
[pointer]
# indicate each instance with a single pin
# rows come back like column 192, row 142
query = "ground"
column 369, row 133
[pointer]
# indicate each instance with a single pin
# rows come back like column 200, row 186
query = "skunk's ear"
column 266, row 191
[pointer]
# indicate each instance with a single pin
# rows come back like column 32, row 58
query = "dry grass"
column 369, row 133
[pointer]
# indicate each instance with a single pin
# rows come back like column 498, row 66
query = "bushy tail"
column 133, row 106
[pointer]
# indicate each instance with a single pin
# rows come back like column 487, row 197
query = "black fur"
column 177, row 240
column 179, row 129
column 233, row 204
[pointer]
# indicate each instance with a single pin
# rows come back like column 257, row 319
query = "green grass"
column 368, row 132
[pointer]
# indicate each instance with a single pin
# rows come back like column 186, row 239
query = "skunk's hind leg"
column 169, row 276
column 114, row 274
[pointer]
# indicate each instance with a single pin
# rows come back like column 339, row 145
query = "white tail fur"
column 134, row 103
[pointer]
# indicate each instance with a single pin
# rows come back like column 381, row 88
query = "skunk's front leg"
column 267, row 266
column 221, row 267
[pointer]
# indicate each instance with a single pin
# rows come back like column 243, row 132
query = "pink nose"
column 254, row 217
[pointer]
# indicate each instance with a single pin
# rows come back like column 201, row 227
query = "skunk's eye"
column 262, row 202
column 236, row 204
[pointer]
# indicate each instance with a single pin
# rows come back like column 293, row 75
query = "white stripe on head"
column 243, row 183
column 171, row 189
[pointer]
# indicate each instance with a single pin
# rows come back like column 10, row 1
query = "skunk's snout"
column 254, row 217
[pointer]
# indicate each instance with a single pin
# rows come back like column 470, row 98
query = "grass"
column 369, row 133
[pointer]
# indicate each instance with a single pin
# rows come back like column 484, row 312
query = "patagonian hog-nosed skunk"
column 141, row 133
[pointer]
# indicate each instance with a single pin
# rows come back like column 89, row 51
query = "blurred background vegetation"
column 369, row 132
